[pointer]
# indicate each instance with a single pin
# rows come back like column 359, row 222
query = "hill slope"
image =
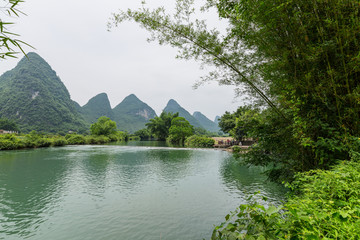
column 205, row 122
column 132, row 114
column 96, row 107
column 34, row 96
column 174, row 107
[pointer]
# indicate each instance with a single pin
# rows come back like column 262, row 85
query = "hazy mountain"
column 217, row 120
column 206, row 123
column 96, row 107
column 132, row 114
column 34, row 96
column 174, row 107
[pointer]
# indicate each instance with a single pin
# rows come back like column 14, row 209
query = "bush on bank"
column 199, row 141
column 325, row 204
column 36, row 140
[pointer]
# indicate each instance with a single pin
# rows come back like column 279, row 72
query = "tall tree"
column 104, row 126
column 180, row 129
column 7, row 124
column 159, row 126
column 301, row 57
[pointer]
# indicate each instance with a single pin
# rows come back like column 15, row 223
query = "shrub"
column 75, row 139
column 134, row 138
column 97, row 139
column 199, row 141
column 324, row 205
column 6, row 144
column 59, row 141
column 118, row 136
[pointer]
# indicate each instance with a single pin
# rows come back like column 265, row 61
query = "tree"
column 240, row 123
column 144, row 134
column 104, row 126
column 8, row 40
column 9, row 125
column 300, row 57
column 159, row 126
column 180, row 129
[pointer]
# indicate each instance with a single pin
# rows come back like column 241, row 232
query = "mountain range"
column 34, row 96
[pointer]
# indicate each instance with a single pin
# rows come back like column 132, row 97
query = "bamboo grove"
column 299, row 58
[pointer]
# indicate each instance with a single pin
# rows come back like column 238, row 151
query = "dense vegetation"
column 103, row 131
column 180, row 130
column 206, row 123
column 298, row 57
column 9, row 125
column 324, row 205
column 299, row 61
column 173, row 107
column 132, row 114
column 175, row 130
column 96, row 107
column 199, row 141
column 34, row 96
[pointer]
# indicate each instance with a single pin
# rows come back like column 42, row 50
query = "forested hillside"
column 96, row 107
column 173, row 107
column 34, row 96
column 206, row 123
column 132, row 114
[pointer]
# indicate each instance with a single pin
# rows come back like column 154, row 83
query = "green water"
column 121, row 192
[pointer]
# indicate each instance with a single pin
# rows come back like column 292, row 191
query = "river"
column 122, row 192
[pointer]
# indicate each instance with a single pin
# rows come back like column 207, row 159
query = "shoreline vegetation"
column 178, row 132
column 298, row 62
column 39, row 140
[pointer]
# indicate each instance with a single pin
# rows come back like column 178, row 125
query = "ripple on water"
column 120, row 192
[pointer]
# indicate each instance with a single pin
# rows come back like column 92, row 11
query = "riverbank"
column 35, row 140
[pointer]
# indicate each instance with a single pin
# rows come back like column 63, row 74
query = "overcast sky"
column 72, row 37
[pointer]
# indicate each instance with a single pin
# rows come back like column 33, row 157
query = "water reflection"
column 107, row 192
column 246, row 180
column 170, row 165
column 28, row 189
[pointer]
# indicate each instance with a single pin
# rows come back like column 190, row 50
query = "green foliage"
column 75, row 139
column 251, row 221
column 180, row 129
column 299, row 57
column 104, row 126
column 241, row 123
column 144, row 134
column 7, row 39
column 9, row 125
column 33, row 95
column 134, row 138
column 206, row 123
column 324, row 205
column 36, row 140
column 204, row 132
column 10, row 142
column 132, row 114
column 119, row 136
column 199, row 141
column 159, row 126
column 96, row 139
column 58, row 141
column 96, row 107
column 173, row 107
column 31, row 140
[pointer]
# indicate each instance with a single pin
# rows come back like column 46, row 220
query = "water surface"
column 121, row 192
